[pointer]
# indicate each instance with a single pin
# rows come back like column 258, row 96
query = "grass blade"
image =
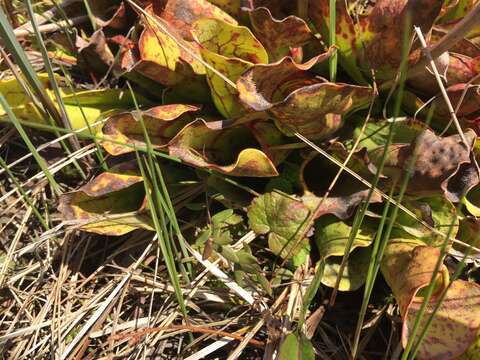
column 41, row 162
column 332, row 62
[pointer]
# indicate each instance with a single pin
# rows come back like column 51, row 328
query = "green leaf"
column 331, row 237
column 296, row 347
column 231, row 50
column 248, row 264
column 282, row 218
column 164, row 60
column 437, row 211
column 376, row 132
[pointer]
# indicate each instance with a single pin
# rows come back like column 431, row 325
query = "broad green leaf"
column 113, row 203
column 354, row 273
column 437, row 211
column 299, row 100
column 162, row 59
column 228, row 150
column 375, row 134
column 283, row 218
column 231, row 50
column 161, row 122
column 279, row 36
column 296, row 347
column 331, row 237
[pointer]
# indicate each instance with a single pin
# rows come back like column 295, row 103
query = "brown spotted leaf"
column 442, row 164
column 231, row 50
column 161, row 122
column 455, row 325
column 407, row 267
column 232, row 151
column 388, row 20
column 279, row 36
column 113, row 203
column 299, row 100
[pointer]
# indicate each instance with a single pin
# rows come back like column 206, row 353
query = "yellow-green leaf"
column 231, row 50
column 161, row 122
column 113, row 203
column 228, row 150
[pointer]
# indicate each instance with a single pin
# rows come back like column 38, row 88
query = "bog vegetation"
column 240, row 179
